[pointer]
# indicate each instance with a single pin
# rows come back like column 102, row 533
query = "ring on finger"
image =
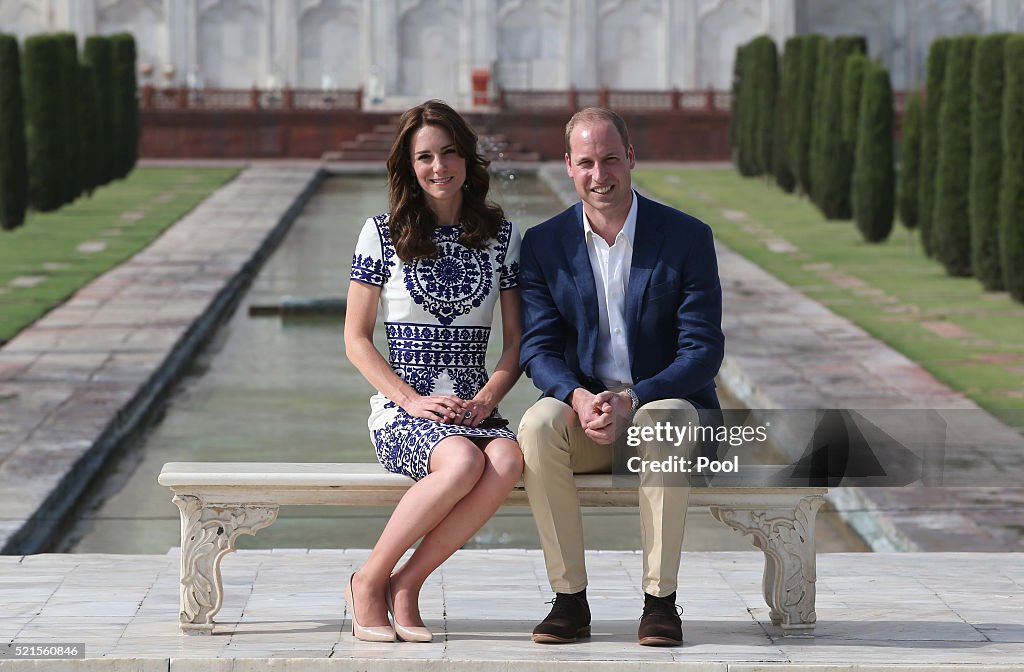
column 468, row 415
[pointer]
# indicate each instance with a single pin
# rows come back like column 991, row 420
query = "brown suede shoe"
column 568, row 620
column 660, row 625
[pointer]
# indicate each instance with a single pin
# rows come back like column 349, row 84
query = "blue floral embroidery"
column 372, row 270
column 454, row 282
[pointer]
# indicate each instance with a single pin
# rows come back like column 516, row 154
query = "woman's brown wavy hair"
column 411, row 220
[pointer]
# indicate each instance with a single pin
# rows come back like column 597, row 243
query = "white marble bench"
column 221, row 500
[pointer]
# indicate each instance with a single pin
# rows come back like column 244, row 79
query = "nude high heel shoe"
column 413, row 634
column 373, row 633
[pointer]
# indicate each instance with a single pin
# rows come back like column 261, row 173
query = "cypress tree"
column 749, row 163
column 930, row 141
column 805, row 109
column 874, row 179
column 98, row 54
column 835, row 154
column 818, row 121
column 88, row 125
column 735, row 109
column 72, row 167
column 785, row 173
column 986, row 159
column 853, row 76
column 951, row 233
column 126, row 104
column 780, row 163
column 1011, row 193
column 44, row 126
column 13, row 159
column 911, row 160
column 766, row 91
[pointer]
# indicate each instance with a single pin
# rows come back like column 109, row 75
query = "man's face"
column 599, row 165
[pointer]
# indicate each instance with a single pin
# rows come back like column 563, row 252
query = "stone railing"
column 184, row 98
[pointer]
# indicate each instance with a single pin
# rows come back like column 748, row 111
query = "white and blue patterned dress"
column 437, row 315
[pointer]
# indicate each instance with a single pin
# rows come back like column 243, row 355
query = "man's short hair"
column 594, row 115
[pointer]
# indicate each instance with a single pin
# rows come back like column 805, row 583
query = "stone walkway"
column 875, row 612
column 78, row 380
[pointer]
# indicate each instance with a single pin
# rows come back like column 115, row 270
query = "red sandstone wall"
column 657, row 136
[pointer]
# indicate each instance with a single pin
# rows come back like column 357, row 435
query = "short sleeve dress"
column 437, row 315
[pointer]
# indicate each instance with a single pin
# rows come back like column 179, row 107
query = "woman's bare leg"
column 502, row 468
column 456, row 465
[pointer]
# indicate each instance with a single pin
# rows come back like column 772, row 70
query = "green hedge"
column 72, row 169
column 910, row 153
column 13, row 159
column 818, row 121
column 986, row 159
column 788, row 105
column 766, row 85
column 805, row 109
column 88, row 123
column 853, row 78
column 784, row 177
column 1011, row 196
column 930, row 140
column 833, row 158
column 951, row 232
column 734, row 103
column 44, row 123
column 126, row 105
column 874, row 180
column 98, row 54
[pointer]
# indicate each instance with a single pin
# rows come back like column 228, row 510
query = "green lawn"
column 53, row 254
column 970, row 339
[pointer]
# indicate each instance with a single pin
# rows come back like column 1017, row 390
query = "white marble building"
column 407, row 50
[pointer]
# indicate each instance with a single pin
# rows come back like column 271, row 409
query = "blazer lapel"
column 646, row 246
column 583, row 275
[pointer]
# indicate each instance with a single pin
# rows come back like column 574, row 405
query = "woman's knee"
column 458, row 460
column 506, row 458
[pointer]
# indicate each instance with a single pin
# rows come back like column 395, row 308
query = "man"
column 622, row 312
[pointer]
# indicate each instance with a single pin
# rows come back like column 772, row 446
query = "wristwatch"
column 633, row 399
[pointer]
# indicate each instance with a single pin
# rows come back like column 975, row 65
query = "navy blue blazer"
column 673, row 307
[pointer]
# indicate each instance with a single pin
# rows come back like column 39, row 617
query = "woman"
column 436, row 264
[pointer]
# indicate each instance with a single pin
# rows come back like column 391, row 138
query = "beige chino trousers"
column 555, row 447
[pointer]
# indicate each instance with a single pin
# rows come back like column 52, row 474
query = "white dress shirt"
column 611, row 266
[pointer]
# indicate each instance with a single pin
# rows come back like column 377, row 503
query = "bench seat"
column 219, row 501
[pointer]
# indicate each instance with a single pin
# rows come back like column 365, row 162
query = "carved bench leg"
column 208, row 533
column 786, row 536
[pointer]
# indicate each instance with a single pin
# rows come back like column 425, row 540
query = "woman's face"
column 440, row 171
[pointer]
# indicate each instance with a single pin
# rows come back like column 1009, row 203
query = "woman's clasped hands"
column 448, row 408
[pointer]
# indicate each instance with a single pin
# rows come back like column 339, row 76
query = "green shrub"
column 766, row 85
column 930, row 141
column 72, row 169
column 126, row 104
column 874, row 180
column 833, row 160
column 749, row 163
column 44, row 124
column 13, row 160
column 951, row 231
column 853, row 77
column 818, row 116
column 785, row 173
column 986, row 159
column 99, row 55
column 910, row 153
column 734, row 100
column 1011, row 193
column 805, row 109
column 88, row 124
column 784, row 178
